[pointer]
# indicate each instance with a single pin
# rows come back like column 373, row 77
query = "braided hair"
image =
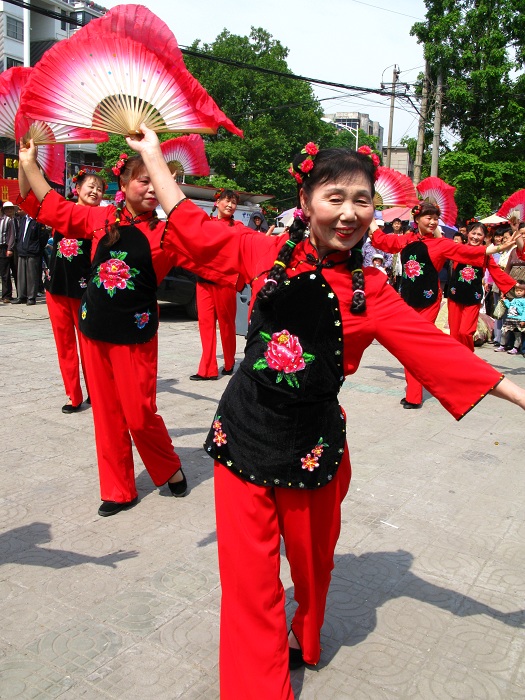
column 129, row 171
column 330, row 165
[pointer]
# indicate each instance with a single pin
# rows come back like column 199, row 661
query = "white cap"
column 8, row 204
column 379, row 256
column 380, row 222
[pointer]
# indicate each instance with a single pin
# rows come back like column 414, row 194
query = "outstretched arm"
column 29, row 174
column 167, row 191
column 510, row 392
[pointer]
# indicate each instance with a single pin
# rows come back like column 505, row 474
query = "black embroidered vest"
column 420, row 282
column 120, row 302
column 69, row 266
column 279, row 422
column 466, row 285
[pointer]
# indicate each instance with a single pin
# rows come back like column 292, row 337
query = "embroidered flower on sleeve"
column 412, row 268
column 115, row 274
column 142, row 319
column 467, row 274
column 69, row 248
column 285, row 355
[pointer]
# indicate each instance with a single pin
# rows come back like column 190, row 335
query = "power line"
column 385, row 9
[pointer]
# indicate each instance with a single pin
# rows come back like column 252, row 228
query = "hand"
column 9, row 253
column 28, row 152
column 146, row 142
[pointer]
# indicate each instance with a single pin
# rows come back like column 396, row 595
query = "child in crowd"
column 514, row 323
column 378, row 261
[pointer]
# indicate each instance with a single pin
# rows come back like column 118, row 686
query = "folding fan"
column 393, row 189
column 118, row 71
column 437, row 191
column 516, row 202
column 186, row 155
column 14, row 126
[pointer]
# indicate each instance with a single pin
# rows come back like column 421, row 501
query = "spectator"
column 514, row 325
column 31, row 242
column 7, row 244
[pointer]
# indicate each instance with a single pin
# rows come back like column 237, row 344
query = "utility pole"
column 437, row 125
column 395, row 77
column 421, row 127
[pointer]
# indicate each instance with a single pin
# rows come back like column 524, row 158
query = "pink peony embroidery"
column 413, row 268
column 115, row 274
column 284, row 354
column 69, row 248
column 467, row 274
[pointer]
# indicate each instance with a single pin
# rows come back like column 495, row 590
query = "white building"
column 25, row 35
column 358, row 120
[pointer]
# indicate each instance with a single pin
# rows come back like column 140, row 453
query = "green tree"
column 479, row 47
column 278, row 116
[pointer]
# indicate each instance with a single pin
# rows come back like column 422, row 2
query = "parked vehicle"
column 179, row 285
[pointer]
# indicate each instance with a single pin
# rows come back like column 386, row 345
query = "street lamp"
column 351, row 129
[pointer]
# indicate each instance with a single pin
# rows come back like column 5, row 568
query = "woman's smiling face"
column 340, row 213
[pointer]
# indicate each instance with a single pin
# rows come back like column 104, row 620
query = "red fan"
column 118, row 71
column 516, row 202
column 393, row 189
column 185, row 155
column 436, row 190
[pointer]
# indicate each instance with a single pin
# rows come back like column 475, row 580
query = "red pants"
column 216, row 303
column 414, row 390
column 123, row 388
column 63, row 314
column 250, row 522
column 463, row 321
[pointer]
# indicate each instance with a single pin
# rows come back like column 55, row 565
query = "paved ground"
column 428, row 591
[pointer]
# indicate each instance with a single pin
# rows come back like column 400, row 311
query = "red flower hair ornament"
column 367, row 151
column 310, row 150
column 119, row 165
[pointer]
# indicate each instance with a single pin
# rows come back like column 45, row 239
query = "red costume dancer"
column 66, row 281
column 279, row 434
column 422, row 256
column 217, row 303
column 466, row 290
column 118, row 323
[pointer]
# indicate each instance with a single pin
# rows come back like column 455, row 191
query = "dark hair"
column 478, row 224
column 330, row 165
column 425, row 208
column 83, row 176
column 396, row 219
column 129, row 171
column 521, row 225
column 225, row 194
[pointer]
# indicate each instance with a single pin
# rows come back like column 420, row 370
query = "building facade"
column 358, row 120
column 25, row 35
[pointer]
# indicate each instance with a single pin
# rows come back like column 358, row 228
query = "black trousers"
column 5, row 274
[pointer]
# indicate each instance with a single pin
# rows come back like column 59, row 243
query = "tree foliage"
column 479, row 47
column 278, row 116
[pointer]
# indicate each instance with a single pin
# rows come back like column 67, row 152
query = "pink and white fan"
column 393, row 189
column 49, row 137
column 118, row 71
column 436, row 190
column 185, row 155
column 516, row 202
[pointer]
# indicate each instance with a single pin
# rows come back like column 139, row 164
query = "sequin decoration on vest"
column 279, row 422
column 120, row 304
column 466, row 286
column 420, row 283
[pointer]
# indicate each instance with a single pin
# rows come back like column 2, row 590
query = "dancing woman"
column 118, row 323
column 465, row 292
column 66, row 281
column 422, row 257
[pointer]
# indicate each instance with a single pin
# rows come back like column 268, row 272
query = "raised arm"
column 167, row 191
column 29, row 174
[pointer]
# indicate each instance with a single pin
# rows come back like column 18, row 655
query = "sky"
column 342, row 41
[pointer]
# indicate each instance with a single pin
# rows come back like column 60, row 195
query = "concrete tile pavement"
column 427, row 599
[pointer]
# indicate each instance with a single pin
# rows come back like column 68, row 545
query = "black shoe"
column 180, row 488
column 296, row 659
column 22, row 300
column 200, row 378
column 112, row 507
column 30, row 302
column 407, row 404
column 227, row 372
column 403, row 402
column 69, row 408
